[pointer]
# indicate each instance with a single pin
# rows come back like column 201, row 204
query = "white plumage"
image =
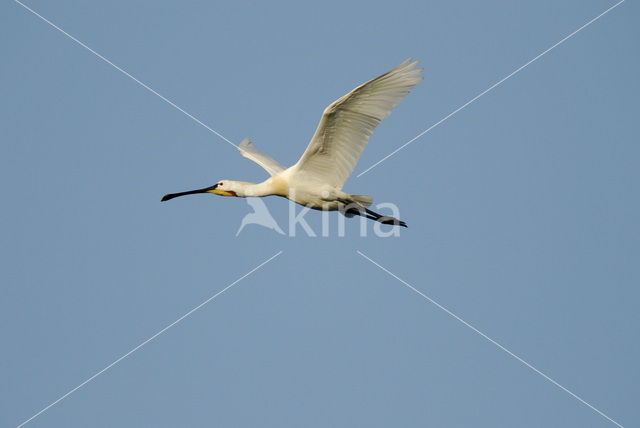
column 347, row 124
column 249, row 151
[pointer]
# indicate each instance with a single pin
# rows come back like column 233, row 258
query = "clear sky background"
column 523, row 217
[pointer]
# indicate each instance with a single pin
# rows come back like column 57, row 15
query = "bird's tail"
column 363, row 200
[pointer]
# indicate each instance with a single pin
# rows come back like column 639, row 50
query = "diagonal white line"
column 513, row 73
column 150, row 339
column 489, row 339
column 171, row 103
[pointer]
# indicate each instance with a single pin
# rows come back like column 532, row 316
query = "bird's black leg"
column 371, row 215
column 385, row 219
column 354, row 209
column 361, row 212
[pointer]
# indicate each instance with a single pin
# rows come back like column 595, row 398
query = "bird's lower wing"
column 347, row 124
column 249, row 151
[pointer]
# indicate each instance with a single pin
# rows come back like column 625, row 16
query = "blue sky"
column 522, row 212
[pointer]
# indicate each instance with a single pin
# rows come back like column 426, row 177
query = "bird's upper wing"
column 345, row 127
column 249, row 151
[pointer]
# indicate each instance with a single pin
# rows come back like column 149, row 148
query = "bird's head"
column 222, row 188
column 227, row 188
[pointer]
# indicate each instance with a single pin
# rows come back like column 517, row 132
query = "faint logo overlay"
column 261, row 216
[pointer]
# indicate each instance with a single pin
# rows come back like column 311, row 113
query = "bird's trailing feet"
column 367, row 213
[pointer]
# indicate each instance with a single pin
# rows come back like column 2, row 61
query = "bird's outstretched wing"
column 249, row 151
column 348, row 122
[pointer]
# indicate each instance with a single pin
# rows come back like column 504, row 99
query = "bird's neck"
column 256, row 189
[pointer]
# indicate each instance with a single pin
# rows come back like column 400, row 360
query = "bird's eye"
column 221, row 184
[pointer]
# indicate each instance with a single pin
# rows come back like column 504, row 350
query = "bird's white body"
column 316, row 180
column 290, row 185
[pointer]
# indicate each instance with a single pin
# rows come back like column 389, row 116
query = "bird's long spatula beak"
column 190, row 192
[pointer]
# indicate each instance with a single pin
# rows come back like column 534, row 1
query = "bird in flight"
column 316, row 180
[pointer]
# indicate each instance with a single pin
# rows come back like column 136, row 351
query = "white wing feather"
column 345, row 127
column 249, row 151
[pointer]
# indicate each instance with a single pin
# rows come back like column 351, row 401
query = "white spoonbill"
column 316, row 180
